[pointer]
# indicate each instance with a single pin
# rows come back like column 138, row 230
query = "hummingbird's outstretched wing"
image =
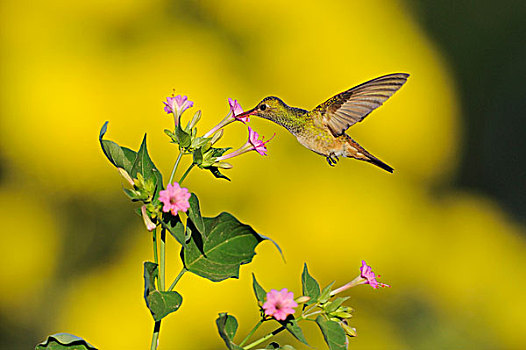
column 352, row 106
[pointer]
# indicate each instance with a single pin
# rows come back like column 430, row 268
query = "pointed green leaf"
column 335, row 304
column 311, row 288
column 144, row 165
column 160, row 303
column 218, row 152
column 333, row 334
column 174, row 225
column 218, row 174
column 184, row 138
column 260, row 293
column 64, row 341
column 325, row 294
column 291, row 325
column 227, row 327
column 194, row 213
column 222, row 247
column 120, row 157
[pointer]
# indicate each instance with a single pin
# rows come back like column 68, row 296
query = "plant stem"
column 155, row 257
column 175, row 166
column 155, row 335
column 161, row 262
column 181, row 273
column 266, row 337
column 186, row 173
column 251, row 332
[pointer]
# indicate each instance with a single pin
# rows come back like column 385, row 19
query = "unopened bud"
column 195, row 119
column 150, row 226
column 126, row 176
column 302, row 299
column 224, row 165
column 216, row 136
column 341, row 314
column 350, row 331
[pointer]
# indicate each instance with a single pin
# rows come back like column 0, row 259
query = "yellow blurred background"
column 73, row 247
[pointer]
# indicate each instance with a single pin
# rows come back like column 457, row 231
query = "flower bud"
column 195, row 119
column 150, row 226
column 216, row 136
column 350, row 331
column 126, row 176
column 223, row 165
column 302, row 299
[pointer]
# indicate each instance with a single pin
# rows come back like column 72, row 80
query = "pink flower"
column 279, row 304
column 366, row 276
column 177, row 104
column 369, row 276
column 174, row 198
column 257, row 144
column 253, row 144
column 235, row 109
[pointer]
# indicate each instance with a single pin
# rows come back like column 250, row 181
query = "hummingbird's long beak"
column 252, row 111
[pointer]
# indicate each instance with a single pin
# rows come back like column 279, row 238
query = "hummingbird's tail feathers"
column 373, row 160
column 354, row 150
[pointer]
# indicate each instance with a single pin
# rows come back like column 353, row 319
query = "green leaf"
column 260, row 293
column 171, row 135
column 227, row 327
column 291, row 325
column 333, row 333
column 184, row 138
column 335, row 304
column 198, row 142
column 325, row 294
column 218, row 246
column 194, row 213
column 120, row 157
column 159, row 303
column 174, row 225
column 222, row 247
column 144, row 165
column 218, row 174
column 162, row 304
column 311, row 288
column 64, row 341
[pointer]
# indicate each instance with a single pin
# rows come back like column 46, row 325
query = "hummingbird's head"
column 271, row 108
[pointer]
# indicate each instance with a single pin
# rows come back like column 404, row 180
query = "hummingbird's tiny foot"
column 332, row 159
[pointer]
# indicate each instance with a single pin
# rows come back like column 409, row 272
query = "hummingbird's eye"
column 263, row 107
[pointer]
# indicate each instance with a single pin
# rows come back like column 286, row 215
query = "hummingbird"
column 322, row 130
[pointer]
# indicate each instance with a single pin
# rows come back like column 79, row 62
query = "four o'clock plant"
column 213, row 247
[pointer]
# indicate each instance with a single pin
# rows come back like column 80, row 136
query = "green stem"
column 186, row 173
column 181, row 273
column 161, row 262
column 175, row 166
column 264, row 338
column 251, row 332
column 155, row 257
column 155, row 335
